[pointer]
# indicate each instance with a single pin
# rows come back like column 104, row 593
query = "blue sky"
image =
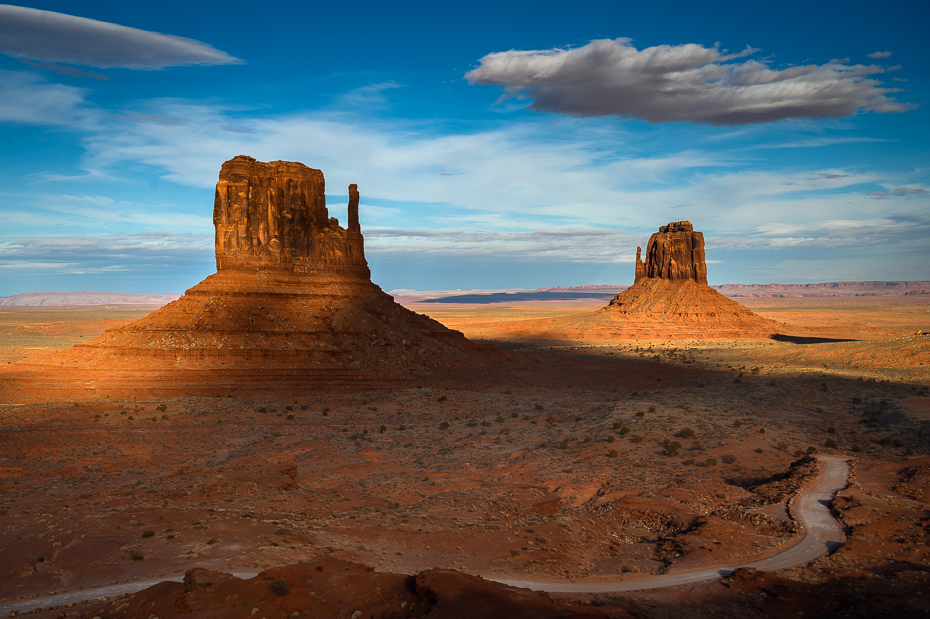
column 495, row 144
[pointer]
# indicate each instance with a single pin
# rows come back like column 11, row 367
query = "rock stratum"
column 291, row 309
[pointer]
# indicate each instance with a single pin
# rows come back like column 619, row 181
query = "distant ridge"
column 90, row 297
column 825, row 289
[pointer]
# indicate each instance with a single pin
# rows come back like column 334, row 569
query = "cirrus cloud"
column 691, row 83
column 57, row 37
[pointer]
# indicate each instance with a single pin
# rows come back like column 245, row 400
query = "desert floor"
column 684, row 455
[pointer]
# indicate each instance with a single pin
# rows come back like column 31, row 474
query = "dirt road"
column 822, row 533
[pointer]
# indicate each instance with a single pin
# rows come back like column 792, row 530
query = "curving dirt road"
column 822, row 534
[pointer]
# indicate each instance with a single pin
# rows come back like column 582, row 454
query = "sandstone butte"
column 670, row 294
column 291, row 309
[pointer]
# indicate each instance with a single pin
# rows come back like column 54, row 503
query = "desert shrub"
column 444, row 425
column 563, row 445
column 514, row 415
column 442, row 398
column 908, row 452
column 289, row 417
column 830, row 443
column 303, row 407
column 898, row 443
column 288, row 408
column 279, row 587
column 811, row 450
column 354, row 437
column 758, row 450
column 587, row 439
column 611, row 438
column 761, row 430
column 652, row 409
column 686, row 433
column 382, row 429
column 538, row 407
column 729, row 459
column 737, row 423
column 472, row 423
column 798, row 453
column 162, row 407
column 514, row 552
column 528, row 418
column 262, row 409
column 148, row 534
column 401, row 427
column 500, row 419
column 857, row 400
column 612, row 453
column 688, row 462
column 579, row 418
column 636, row 438
column 135, row 555
column 672, row 448
column 782, row 445
column 711, row 462
column 640, row 414
column 624, row 431
column 831, row 430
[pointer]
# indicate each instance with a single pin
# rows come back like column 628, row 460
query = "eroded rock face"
column 273, row 216
column 676, row 251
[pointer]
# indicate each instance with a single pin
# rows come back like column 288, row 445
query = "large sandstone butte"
column 670, row 293
column 291, row 309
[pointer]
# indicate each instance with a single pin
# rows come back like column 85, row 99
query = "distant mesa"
column 670, row 292
column 291, row 309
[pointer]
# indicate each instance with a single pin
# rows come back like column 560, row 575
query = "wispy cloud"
column 690, row 83
column 60, row 38
column 878, row 55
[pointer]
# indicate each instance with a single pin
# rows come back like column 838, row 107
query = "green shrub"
column 687, row 433
column 640, row 414
column 624, row 431
column 612, row 453
column 672, row 448
column 711, row 462
column 611, row 438
column 636, row 438
column 444, row 425
column 442, row 398
column 289, row 417
column 737, row 423
column 811, row 450
column 617, row 425
column 730, row 458
column 831, row 430
column 830, row 443
column 563, row 445
column 148, row 534
column 538, row 407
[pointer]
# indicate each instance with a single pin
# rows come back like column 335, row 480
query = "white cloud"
column 878, row 55
column 688, row 83
column 27, row 98
column 60, row 38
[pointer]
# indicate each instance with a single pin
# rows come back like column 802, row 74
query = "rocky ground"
column 602, row 463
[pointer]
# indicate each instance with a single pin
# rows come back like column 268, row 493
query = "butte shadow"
column 290, row 310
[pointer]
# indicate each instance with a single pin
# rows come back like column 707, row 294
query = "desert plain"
column 601, row 460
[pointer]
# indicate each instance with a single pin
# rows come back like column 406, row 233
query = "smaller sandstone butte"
column 291, row 309
column 670, row 295
column 676, row 251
